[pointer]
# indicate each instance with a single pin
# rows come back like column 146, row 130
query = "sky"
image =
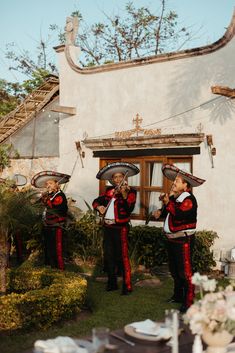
column 24, row 22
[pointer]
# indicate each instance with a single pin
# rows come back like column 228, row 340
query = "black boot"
column 112, row 284
column 125, row 290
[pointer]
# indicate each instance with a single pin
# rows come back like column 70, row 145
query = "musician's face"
column 52, row 185
column 179, row 185
column 117, row 178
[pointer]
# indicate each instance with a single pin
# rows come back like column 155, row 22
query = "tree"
column 10, row 96
column 137, row 32
column 7, row 151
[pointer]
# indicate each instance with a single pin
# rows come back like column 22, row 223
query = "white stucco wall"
column 108, row 101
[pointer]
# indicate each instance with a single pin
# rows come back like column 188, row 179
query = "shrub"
column 147, row 246
column 43, row 297
column 203, row 257
column 84, row 238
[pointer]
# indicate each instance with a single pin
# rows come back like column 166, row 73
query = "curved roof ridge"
column 207, row 49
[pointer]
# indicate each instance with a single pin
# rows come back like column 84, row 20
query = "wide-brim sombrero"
column 16, row 179
column 110, row 169
column 39, row 180
column 19, row 179
column 171, row 172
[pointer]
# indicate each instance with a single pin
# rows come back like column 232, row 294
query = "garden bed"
column 40, row 297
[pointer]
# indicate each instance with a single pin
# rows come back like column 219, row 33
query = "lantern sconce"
column 80, row 151
column 212, row 149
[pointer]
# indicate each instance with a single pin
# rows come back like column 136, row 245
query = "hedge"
column 147, row 246
column 41, row 297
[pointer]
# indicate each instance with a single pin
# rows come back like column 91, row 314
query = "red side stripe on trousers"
column 59, row 248
column 125, row 258
column 188, row 273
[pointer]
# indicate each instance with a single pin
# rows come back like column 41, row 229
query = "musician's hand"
column 101, row 209
column 165, row 199
column 124, row 190
column 157, row 214
column 44, row 197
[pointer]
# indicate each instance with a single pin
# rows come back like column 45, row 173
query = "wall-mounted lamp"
column 212, row 149
column 80, row 151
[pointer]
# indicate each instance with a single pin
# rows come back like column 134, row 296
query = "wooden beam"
column 223, row 91
column 147, row 152
column 157, row 141
column 64, row 110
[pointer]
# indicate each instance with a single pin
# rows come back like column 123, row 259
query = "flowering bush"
column 215, row 310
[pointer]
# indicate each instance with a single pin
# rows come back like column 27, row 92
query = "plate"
column 131, row 331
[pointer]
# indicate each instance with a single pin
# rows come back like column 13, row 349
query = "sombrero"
column 41, row 178
column 171, row 172
column 16, row 179
column 125, row 168
column 19, row 179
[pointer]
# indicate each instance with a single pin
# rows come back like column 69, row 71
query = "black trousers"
column 180, row 252
column 116, row 260
column 53, row 247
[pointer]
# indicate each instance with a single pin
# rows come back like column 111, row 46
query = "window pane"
column 135, row 179
column 155, row 176
column 137, row 205
column 185, row 166
column 153, row 201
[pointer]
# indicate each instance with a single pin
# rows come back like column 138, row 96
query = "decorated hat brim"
column 17, row 180
column 39, row 180
column 171, row 172
column 110, row 169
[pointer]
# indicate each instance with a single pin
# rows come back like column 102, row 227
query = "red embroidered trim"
column 125, row 258
column 49, row 203
column 118, row 220
column 59, row 253
column 186, row 205
column 131, row 198
column 174, row 228
column 57, row 200
column 188, row 273
column 171, row 207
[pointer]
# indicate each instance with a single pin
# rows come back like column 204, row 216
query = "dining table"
column 137, row 345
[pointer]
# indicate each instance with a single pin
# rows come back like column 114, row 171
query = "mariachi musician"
column 115, row 207
column 54, row 215
column 180, row 213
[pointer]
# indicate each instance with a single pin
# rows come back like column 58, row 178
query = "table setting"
column 141, row 336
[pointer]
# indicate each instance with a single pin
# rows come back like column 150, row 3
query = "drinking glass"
column 169, row 318
column 100, row 337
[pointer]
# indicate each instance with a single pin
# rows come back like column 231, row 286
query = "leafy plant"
column 17, row 213
column 147, row 246
column 84, row 238
column 7, row 151
column 202, row 257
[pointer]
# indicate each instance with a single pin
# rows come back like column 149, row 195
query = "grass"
column 103, row 308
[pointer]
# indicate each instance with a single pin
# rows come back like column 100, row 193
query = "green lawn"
column 102, row 309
